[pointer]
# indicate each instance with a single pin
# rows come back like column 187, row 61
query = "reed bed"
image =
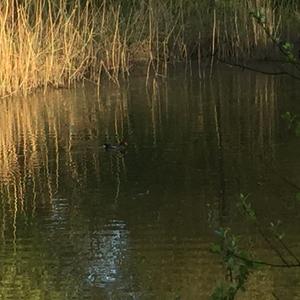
column 58, row 43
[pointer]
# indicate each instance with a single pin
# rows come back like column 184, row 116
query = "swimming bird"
column 121, row 147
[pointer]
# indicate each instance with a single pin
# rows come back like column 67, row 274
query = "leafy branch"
column 285, row 48
column 238, row 263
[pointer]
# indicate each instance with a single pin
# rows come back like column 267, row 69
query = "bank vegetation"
column 58, row 43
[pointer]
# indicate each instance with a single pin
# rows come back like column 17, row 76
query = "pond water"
column 79, row 222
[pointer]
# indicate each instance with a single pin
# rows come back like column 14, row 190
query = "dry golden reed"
column 58, row 43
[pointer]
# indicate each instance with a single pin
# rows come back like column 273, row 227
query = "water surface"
column 77, row 222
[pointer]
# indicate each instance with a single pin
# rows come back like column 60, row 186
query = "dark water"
column 77, row 222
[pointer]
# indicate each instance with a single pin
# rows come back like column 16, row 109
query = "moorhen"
column 121, row 147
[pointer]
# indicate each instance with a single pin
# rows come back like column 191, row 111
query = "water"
column 77, row 222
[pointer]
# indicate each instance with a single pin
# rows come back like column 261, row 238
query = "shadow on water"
column 79, row 222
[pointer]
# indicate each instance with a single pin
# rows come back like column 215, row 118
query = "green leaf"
column 287, row 46
column 215, row 248
column 286, row 116
column 220, row 293
column 220, row 232
column 298, row 196
column 297, row 129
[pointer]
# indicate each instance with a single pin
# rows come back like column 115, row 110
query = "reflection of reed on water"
column 244, row 129
column 44, row 139
column 47, row 142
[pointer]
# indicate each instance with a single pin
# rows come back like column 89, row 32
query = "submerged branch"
column 245, row 67
column 260, row 262
column 285, row 179
column 251, row 214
